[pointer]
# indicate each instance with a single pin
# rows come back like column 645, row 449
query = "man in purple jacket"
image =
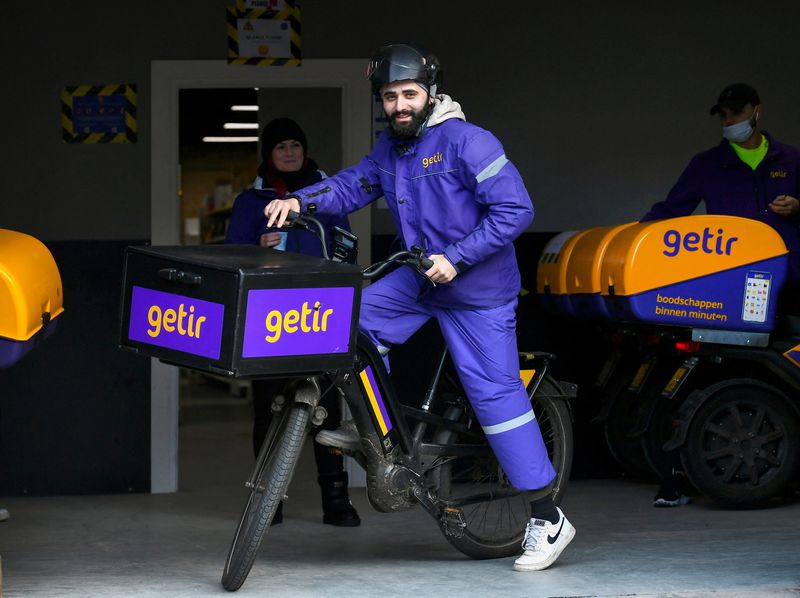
column 451, row 189
column 748, row 174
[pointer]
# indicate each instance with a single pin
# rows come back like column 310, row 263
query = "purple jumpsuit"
column 453, row 191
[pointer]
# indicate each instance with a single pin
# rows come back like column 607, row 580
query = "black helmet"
column 399, row 62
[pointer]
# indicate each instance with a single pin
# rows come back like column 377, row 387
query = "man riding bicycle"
column 451, row 190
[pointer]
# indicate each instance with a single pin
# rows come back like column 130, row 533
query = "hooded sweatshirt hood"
column 444, row 108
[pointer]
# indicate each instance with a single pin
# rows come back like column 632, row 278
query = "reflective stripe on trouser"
column 483, row 346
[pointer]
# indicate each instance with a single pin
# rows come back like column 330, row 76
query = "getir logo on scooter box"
column 306, row 321
column 661, row 253
column 705, row 241
column 176, row 322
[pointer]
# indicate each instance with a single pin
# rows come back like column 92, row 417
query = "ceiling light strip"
column 232, row 139
column 229, row 126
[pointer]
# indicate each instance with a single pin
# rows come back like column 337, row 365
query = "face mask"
column 742, row 131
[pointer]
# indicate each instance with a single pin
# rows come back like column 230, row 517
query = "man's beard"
column 410, row 129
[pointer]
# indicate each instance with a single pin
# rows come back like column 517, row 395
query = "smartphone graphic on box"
column 756, row 296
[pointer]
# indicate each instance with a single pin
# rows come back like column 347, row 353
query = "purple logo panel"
column 307, row 321
column 176, row 322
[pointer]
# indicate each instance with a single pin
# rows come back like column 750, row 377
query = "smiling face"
column 407, row 106
column 288, row 156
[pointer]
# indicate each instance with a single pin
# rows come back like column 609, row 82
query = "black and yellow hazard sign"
column 98, row 114
column 268, row 36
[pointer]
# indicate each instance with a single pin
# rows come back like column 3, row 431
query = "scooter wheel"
column 743, row 446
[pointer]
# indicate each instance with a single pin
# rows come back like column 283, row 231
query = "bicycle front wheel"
column 266, row 494
column 495, row 513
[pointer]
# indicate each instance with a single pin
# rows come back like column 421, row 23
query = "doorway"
column 168, row 78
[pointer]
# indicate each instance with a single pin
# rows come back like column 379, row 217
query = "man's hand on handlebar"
column 442, row 270
column 277, row 210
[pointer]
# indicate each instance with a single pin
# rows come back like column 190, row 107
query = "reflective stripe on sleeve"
column 492, row 169
column 510, row 424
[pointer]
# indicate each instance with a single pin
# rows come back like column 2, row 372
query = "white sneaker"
column 544, row 542
column 4, row 515
column 344, row 437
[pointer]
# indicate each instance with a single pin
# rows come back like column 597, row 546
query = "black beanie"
column 281, row 129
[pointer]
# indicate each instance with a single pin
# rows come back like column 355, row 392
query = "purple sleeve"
column 496, row 184
column 682, row 199
column 344, row 192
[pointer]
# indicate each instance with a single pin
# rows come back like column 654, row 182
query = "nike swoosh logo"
column 552, row 539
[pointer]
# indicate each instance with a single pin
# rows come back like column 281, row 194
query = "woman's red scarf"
column 283, row 182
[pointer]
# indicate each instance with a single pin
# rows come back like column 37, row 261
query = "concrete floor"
column 175, row 545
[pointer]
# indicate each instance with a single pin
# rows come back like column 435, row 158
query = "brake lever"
column 294, row 219
column 297, row 224
column 422, row 266
column 422, row 263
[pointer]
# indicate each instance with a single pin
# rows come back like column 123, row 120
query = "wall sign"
column 264, row 33
column 98, row 114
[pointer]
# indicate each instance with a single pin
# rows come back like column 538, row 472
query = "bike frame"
column 406, row 463
column 395, row 457
column 382, row 420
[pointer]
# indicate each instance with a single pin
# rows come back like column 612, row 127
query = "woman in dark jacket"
column 286, row 167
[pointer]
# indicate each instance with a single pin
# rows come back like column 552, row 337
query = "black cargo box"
column 240, row 310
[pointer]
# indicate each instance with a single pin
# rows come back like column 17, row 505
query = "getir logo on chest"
column 427, row 161
column 706, row 241
column 299, row 321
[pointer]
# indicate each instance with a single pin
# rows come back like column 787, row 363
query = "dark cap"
column 736, row 96
column 278, row 130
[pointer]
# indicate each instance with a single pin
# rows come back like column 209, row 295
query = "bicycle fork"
column 306, row 390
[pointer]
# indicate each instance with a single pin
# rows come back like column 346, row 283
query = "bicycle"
column 442, row 462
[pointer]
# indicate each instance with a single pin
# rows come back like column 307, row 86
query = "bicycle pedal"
column 319, row 415
column 453, row 522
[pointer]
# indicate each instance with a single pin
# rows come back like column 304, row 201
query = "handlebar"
column 303, row 221
column 415, row 257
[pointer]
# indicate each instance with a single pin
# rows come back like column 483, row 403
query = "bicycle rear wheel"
column 269, row 488
column 494, row 511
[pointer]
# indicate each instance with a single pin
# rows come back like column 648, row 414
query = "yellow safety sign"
column 98, row 114
column 264, row 37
